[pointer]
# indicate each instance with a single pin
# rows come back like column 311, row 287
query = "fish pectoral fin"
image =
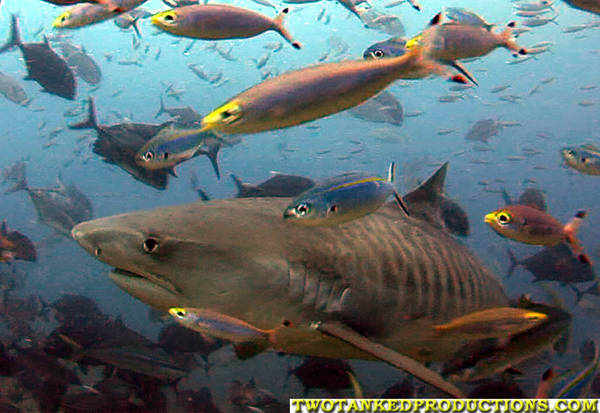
column 345, row 333
column 463, row 70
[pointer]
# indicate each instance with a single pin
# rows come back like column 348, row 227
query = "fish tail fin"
column 507, row 199
column 91, row 122
column 356, row 387
column 161, row 110
column 136, row 27
column 508, row 40
column 513, row 262
column 578, row 293
column 571, row 233
column 19, row 177
column 391, row 177
column 278, row 26
column 14, row 39
column 202, row 194
column 415, row 5
column 213, row 154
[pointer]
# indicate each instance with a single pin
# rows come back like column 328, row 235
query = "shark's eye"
column 302, row 209
column 378, row 53
column 503, row 218
column 150, row 245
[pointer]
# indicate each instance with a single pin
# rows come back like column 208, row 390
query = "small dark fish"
column 530, row 196
column 118, row 144
column 12, row 90
column 61, row 207
column 585, row 158
column 323, row 373
column 557, row 263
column 483, row 130
column 43, row 64
column 459, row 15
column 14, row 245
column 248, row 398
column 382, row 108
column 81, row 62
column 279, row 185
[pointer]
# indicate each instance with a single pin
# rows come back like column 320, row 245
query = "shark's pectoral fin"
column 388, row 355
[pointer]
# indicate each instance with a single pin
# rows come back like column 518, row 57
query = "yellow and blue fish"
column 342, row 198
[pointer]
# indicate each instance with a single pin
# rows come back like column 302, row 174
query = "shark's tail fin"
column 91, row 122
column 14, row 39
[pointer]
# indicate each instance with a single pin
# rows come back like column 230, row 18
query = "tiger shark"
column 386, row 276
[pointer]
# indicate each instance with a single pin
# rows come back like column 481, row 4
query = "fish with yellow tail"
column 492, row 322
column 86, row 14
column 530, row 225
column 220, row 21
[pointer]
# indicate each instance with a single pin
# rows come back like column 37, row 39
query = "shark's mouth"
column 131, row 281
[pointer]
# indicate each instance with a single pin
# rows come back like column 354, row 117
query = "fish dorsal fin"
column 507, row 199
column 435, row 20
column 590, row 147
column 391, row 172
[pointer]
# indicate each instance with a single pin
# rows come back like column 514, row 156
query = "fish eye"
column 302, row 209
column 378, row 53
column 503, row 218
column 571, row 152
column 63, row 18
column 180, row 313
column 230, row 115
column 148, row 156
column 333, row 209
column 97, row 252
column 150, row 245
column 170, row 17
column 166, row 155
column 583, row 159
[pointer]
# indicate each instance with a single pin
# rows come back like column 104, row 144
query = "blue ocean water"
column 63, row 267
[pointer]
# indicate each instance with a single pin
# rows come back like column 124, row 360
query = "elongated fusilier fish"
column 381, row 275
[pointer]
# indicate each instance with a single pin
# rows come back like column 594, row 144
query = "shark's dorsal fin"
column 431, row 190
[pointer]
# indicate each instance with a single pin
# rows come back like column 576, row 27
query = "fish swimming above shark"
column 318, row 291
